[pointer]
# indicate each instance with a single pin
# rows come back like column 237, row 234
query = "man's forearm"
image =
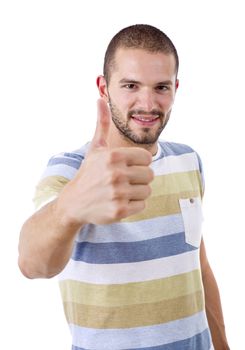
column 45, row 244
column 214, row 311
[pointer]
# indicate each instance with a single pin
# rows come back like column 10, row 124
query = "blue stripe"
column 74, row 163
column 174, row 149
column 200, row 341
column 126, row 252
column 79, row 157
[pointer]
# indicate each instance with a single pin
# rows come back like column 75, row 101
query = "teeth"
column 145, row 120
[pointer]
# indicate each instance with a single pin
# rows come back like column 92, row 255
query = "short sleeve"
column 60, row 169
column 201, row 173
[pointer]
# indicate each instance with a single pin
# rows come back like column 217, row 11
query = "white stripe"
column 60, row 155
column 175, row 164
column 132, row 231
column 131, row 272
column 60, row 170
column 141, row 336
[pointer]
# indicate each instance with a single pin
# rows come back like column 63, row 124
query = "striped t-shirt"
column 137, row 284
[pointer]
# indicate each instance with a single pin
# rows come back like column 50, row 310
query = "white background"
column 51, row 53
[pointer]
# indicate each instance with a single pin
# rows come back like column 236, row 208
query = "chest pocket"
column 191, row 210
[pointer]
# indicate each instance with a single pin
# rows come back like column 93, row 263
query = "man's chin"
column 142, row 140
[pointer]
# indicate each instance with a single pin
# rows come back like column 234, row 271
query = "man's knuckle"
column 151, row 175
column 117, row 176
column 120, row 210
column 123, row 212
column 114, row 193
column 113, row 157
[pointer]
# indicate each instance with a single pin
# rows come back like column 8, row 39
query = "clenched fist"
column 111, row 184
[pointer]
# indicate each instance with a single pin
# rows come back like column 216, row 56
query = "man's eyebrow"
column 132, row 81
column 166, row 82
column 129, row 81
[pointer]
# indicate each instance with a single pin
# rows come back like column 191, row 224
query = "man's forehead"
column 132, row 62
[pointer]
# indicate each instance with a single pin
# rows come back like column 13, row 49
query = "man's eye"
column 162, row 87
column 129, row 86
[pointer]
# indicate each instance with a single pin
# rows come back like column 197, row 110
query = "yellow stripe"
column 176, row 182
column 131, row 293
column 161, row 206
column 135, row 315
column 47, row 188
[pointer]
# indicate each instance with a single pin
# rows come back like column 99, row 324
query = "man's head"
column 139, row 83
column 138, row 36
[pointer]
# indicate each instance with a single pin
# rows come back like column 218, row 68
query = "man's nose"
column 146, row 100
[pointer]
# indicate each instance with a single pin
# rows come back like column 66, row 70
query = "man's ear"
column 176, row 84
column 102, row 87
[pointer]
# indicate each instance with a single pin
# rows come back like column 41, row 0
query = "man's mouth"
column 144, row 120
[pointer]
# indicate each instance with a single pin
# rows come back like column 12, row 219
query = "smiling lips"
column 145, row 120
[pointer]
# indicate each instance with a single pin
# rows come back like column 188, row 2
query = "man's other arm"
column 213, row 303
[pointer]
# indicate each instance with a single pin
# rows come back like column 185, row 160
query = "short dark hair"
column 139, row 36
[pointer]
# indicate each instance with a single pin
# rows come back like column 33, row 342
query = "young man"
column 120, row 219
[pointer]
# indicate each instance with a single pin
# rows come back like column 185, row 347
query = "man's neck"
column 120, row 141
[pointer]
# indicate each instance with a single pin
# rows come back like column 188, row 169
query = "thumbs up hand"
column 111, row 184
column 102, row 127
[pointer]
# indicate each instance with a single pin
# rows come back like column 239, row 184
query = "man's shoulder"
column 65, row 164
column 78, row 154
column 61, row 168
column 174, row 148
column 70, row 158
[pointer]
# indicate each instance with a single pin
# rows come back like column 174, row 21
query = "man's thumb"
column 102, row 126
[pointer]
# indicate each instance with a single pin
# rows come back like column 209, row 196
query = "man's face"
column 141, row 93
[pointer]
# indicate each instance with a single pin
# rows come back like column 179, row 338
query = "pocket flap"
column 191, row 209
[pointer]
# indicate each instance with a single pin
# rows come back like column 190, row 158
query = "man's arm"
column 110, row 185
column 213, row 303
column 46, row 242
